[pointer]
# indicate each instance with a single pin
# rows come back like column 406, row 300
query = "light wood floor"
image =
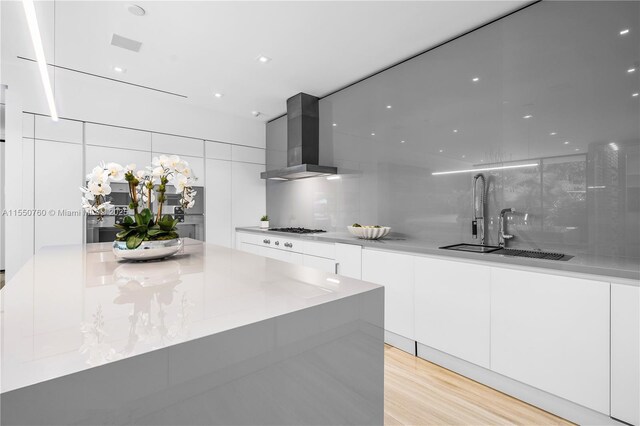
column 417, row 392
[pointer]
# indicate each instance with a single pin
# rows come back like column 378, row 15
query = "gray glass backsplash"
column 549, row 88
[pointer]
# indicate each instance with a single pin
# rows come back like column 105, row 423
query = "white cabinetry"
column 177, row 145
column 218, row 202
column 217, row 150
column 453, row 308
column 248, row 202
column 395, row 272
column 60, row 131
column 349, row 260
column 321, row 263
column 247, row 154
column 117, row 137
column 552, row 332
column 94, row 155
column 56, row 192
column 625, row 353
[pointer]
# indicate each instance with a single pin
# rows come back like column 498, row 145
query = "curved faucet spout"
column 502, row 236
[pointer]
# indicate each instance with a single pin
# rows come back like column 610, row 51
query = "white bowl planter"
column 264, row 224
column 369, row 233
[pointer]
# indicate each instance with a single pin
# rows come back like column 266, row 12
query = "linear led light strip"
column 32, row 21
column 518, row 166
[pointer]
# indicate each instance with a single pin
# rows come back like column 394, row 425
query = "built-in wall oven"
column 190, row 225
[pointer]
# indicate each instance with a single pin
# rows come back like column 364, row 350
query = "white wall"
column 92, row 99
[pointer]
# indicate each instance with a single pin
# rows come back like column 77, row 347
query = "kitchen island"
column 209, row 336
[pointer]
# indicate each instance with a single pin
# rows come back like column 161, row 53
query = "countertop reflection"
column 71, row 308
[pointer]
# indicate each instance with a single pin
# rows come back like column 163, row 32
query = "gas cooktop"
column 297, row 230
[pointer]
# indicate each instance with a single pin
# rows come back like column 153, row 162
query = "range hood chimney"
column 302, row 141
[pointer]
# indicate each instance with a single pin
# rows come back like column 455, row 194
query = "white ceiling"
column 199, row 48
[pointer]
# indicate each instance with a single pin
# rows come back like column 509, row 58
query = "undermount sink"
column 531, row 254
column 474, row 248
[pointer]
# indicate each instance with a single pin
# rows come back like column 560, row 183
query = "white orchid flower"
column 98, row 174
column 130, row 167
column 99, row 188
column 141, row 174
column 158, row 171
column 180, row 183
column 173, row 162
column 115, row 171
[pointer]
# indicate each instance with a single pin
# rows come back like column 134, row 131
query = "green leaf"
column 134, row 241
column 123, row 234
column 128, row 220
column 156, row 232
column 147, row 216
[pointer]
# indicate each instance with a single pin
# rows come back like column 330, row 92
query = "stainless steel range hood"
column 302, row 142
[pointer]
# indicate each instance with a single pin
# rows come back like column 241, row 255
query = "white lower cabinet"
column 453, row 308
column 321, row 263
column 552, row 332
column 349, row 260
column 395, row 272
column 625, row 353
column 57, row 192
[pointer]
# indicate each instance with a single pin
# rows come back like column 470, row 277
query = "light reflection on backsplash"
column 582, row 129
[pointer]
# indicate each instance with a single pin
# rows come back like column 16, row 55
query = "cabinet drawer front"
column 552, row 332
column 321, row 263
column 327, row 250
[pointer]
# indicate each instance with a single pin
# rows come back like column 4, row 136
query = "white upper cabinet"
column 94, row 155
column 552, row 332
column 218, row 202
column 117, row 137
column 28, row 125
column 177, row 145
column 217, row 150
column 625, row 353
column 453, row 308
column 247, row 154
column 395, row 272
column 60, row 131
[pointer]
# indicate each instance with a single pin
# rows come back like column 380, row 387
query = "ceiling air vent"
column 125, row 43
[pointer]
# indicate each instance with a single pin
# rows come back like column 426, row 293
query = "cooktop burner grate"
column 297, row 230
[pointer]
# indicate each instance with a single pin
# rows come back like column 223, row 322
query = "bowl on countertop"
column 369, row 233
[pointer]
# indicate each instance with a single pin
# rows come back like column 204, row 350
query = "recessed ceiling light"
column 263, row 59
column 635, row 95
column 463, row 156
column 475, row 79
column 388, row 106
column 119, row 69
column 566, row 142
column 373, row 134
column 455, row 130
column 577, row 149
column 630, row 70
column 402, row 141
column 625, row 31
column 527, row 116
column 552, row 134
column 335, row 124
column 442, row 150
column 136, row 10
column 218, row 95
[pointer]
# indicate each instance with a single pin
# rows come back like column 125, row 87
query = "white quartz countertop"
column 71, row 308
column 624, row 270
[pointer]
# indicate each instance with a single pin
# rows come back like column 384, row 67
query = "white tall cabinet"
column 218, row 199
column 248, row 194
column 57, row 177
column 625, row 353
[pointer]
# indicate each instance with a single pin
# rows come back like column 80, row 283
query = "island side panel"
column 320, row 365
